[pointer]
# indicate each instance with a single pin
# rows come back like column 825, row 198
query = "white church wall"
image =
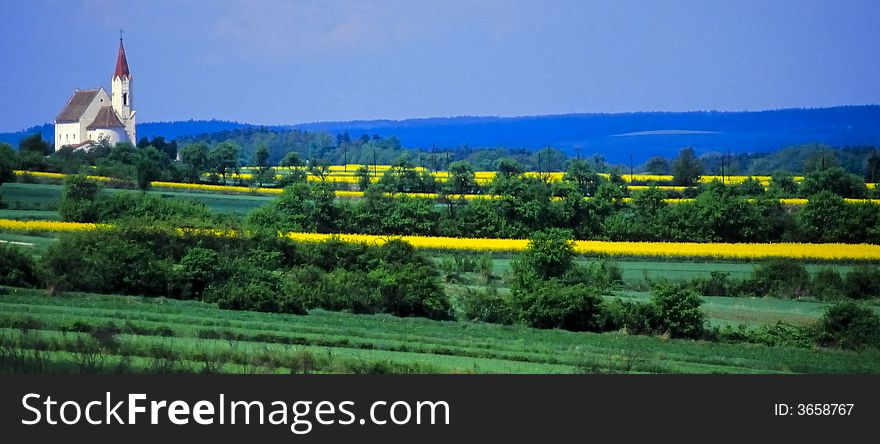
column 67, row 134
column 113, row 135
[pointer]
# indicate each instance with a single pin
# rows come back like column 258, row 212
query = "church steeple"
column 121, row 92
column 121, row 63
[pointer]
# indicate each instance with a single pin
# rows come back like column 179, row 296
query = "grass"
column 234, row 341
column 45, row 197
column 723, row 311
column 635, row 271
column 36, row 244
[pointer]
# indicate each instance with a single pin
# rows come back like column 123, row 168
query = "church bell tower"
column 121, row 97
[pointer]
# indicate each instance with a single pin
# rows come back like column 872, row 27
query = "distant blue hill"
column 616, row 136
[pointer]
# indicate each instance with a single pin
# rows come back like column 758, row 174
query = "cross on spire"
column 120, row 33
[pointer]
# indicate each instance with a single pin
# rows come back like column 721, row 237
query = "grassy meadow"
column 149, row 334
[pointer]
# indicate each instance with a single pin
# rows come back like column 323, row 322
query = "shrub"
column 827, row 285
column 252, row 287
column 780, row 278
column 550, row 254
column 79, row 199
column 411, row 290
column 863, row 283
column 678, row 310
column 718, row 284
column 553, row 305
column 17, row 268
column 849, row 325
column 486, row 306
column 107, row 261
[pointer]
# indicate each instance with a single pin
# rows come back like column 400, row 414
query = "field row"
column 828, row 252
column 200, row 332
column 345, row 194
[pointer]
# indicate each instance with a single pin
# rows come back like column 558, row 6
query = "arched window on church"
column 124, row 99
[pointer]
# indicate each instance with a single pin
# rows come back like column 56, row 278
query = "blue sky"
column 282, row 61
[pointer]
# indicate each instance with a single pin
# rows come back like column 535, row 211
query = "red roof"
column 121, row 63
column 106, row 118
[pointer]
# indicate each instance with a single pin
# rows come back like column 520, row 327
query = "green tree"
column 291, row 159
column 849, row 325
column 224, row 158
column 584, row 176
column 550, row 254
column 678, row 310
column 263, row 172
column 461, row 178
column 79, row 199
column 835, row 180
column 657, row 165
column 826, row 218
column 686, row 168
column 196, row 157
column 8, row 162
column 148, row 167
column 35, row 144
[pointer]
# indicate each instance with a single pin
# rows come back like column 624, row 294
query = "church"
column 91, row 115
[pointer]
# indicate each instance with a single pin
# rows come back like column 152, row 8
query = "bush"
column 486, row 306
column 780, row 278
column 553, row 305
column 678, row 310
column 253, row 287
column 16, row 268
column 79, row 199
column 107, row 261
column 411, row 290
column 849, row 325
column 863, row 283
column 718, row 284
column 827, row 285
column 550, row 254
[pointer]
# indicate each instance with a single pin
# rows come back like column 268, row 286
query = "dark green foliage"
column 196, row 270
column 17, row 268
column 79, row 200
column 550, row 254
column 849, row 325
column 148, row 209
column 411, row 290
column 863, row 283
column 827, row 285
column 686, row 168
column 717, row 284
column 657, row 165
column 252, row 286
column 107, row 261
column 8, row 162
column 486, row 306
column 834, row 180
column 779, row 278
column 551, row 304
column 827, row 218
column 678, row 310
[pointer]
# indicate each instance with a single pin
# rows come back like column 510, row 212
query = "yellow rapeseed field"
column 644, row 249
column 46, row 225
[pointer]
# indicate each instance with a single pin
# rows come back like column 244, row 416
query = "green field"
column 634, row 270
column 157, row 333
column 723, row 311
column 35, row 196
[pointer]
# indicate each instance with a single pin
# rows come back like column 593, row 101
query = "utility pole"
column 433, row 157
column 630, row 168
column 447, row 161
column 345, row 158
column 577, row 149
column 375, row 167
